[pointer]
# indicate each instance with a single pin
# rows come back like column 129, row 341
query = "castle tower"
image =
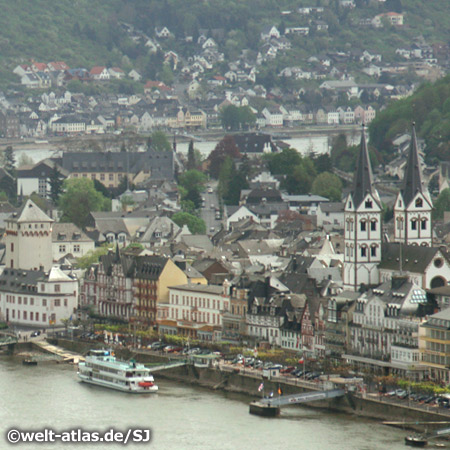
column 413, row 205
column 28, row 239
column 362, row 232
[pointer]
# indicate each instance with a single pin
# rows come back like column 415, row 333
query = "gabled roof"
column 30, row 212
column 97, row 70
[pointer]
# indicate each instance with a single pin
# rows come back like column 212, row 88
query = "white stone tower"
column 28, row 239
column 362, row 232
column 413, row 205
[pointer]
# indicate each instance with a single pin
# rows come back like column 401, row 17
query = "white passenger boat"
column 103, row 369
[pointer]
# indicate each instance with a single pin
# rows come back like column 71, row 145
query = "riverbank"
column 243, row 381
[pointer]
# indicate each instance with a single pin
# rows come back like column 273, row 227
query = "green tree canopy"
column 442, row 204
column 78, row 200
column 194, row 223
column 328, row 185
column 160, row 142
column 56, row 184
column 191, row 184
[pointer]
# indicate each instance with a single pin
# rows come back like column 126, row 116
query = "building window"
column 57, row 288
column 44, row 317
column 373, row 251
column 363, row 252
column 413, row 224
column 419, row 203
column 12, row 246
column 57, row 302
column 76, row 248
column 111, row 177
column 44, row 302
column 423, row 225
column 62, row 249
column 363, row 225
column 368, row 204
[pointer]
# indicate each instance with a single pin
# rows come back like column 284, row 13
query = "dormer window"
column 368, row 203
column 419, row 203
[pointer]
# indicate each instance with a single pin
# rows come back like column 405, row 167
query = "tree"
column 328, row 185
column 159, row 142
column 192, row 183
column 229, row 117
column 191, row 163
column 195, row 224
column 226, row 147
column 442, row 204
column 92, row 256
column 56, row 184
column 78, row 200
column 10, row 161
column 25, row 160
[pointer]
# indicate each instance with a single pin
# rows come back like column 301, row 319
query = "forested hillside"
column 429, row 108
column 87, row 32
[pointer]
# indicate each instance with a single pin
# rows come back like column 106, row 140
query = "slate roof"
column 30, row 212
column 414, row 258
column 363, row 179
column 65, row 232
column 253, row 142
column 160, row 164
column 412, row 182
column 208, row 289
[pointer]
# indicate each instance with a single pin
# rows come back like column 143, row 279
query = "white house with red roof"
column 155, row 85
column 99, row 73
column 39, row 67
column 22, row 69
column 58, row 66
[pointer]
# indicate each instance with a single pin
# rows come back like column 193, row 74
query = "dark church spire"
column 412, row 181
column 363, row 178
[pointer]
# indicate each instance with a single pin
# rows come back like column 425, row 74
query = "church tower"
column 362, row 232
column 413, row 205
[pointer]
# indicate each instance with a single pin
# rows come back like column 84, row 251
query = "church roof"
column 363, row 179
column 412, row 182
column 415, row 259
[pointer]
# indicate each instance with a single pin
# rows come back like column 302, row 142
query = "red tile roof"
column 97, row 70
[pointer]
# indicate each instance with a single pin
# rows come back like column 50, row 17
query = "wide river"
column 180, row 416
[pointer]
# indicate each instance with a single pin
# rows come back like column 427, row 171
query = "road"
column 208, row 212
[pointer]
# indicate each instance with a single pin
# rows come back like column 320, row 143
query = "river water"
column 180, row 416
column 304, row 145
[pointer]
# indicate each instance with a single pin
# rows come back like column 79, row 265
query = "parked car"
column 210, row 190
column 287, row 369
column 157, row 345
column 35, row 333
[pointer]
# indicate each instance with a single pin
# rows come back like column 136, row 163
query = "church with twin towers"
column 371, row 256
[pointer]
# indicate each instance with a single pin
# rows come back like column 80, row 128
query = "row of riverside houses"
column 353, row 295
